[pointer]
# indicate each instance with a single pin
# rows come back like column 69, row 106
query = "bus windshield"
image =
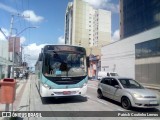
column 64, row 64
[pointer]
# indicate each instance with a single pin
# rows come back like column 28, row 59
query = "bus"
column 62, row 71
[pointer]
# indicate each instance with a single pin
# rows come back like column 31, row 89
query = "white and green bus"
column 62, row 71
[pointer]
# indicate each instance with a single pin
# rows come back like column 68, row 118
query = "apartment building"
column 87, row 27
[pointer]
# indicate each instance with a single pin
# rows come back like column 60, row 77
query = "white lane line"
column 119, row 109
column 102, row 102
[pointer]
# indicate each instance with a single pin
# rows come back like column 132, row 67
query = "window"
column 106, row 81
column 158, row 47
column 152, row 49
column 148, row 49
column 114, row 82
column 145, row 51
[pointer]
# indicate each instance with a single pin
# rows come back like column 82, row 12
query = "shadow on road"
column 21, row 107
column 15, row 118
column 145, row 110
column 64, row 100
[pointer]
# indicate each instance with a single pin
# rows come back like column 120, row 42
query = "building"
column 137, row 55
column 87, row 27
column 140, row 15
column 4, row 58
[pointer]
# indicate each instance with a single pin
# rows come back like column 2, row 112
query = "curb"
column 154, row 88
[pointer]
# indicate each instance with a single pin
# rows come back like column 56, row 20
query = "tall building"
column 137, row 16
column 87, row 27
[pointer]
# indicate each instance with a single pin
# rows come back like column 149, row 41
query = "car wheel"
column 99, row 94
column 126, row 104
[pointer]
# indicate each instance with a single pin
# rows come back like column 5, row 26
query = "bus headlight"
column 46, row 86
column 83, row 85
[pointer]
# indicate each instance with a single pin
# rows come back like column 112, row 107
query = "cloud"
column 8, row 8
column 104, row 4
column 116, row 35
column 22, row 39
column 31, row 16
column 61, row 40
column 31, row 53
column 5, row 31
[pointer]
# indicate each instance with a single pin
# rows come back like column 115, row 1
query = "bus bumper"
column 46, row 92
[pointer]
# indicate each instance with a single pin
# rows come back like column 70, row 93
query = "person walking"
column 15, row 75
column 21, row 75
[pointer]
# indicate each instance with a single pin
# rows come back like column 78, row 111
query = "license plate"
column 66, row 92
column 153, row 102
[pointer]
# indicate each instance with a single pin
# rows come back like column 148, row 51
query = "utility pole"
column 11, row 27
column 10, row 35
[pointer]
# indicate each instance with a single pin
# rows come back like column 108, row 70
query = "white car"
column 102, row 74
column 128, row 92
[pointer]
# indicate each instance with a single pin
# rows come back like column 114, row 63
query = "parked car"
column 128, row 92
column 102, row 74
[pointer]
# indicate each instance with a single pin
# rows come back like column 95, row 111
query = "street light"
column 25, row 29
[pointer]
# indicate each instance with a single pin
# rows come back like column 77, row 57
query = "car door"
column 115, row 92
column 105, row 87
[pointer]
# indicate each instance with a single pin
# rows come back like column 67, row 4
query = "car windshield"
column 131, row 84
column 64, row 64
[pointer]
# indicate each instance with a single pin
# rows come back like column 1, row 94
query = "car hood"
column 143, row 92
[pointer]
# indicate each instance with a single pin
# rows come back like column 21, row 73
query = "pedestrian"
column 15, row 75
column 21, row 76
column 26, row 74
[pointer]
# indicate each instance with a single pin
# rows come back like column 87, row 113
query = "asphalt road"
column 90, row 102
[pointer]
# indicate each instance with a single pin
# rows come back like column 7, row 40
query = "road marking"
column 102, row 102
column 119, row 109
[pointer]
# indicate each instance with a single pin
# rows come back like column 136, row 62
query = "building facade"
column 3, row 58
column 87, row 27
column 137, row 57
column 140, row 15
column 137, row 54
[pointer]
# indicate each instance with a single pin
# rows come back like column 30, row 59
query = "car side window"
column 114, row 82
column 107, row 81
column 102, row 81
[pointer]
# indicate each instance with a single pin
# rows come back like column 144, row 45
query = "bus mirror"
column 40, row 57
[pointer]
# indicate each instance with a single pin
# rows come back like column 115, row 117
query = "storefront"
column 94, row 62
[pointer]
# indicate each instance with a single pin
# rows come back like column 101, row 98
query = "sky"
column 48, row 18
